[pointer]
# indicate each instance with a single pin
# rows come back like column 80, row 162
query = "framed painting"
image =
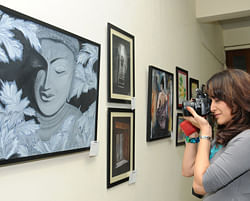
column 160, row 104
column 193, row 84
column 203, row 88
column 121, row 65
column 49, row 82
column 181, row 86
column 180, row 135
column 121, row 145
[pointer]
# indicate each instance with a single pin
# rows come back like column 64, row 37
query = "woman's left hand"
column 197, row 120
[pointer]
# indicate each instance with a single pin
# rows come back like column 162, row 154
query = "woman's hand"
column 198, row 121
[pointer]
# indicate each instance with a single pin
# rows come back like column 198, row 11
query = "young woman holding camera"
column 221, row 168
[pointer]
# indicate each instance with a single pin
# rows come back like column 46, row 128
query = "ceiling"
column 235, row 23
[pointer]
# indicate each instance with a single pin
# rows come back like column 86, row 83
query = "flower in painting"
column 13, row 126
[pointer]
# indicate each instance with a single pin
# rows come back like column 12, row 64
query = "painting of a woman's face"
column 53, row 83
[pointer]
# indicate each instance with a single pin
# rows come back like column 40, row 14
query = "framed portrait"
column 193, row 84
column 121, row 65
column 49, row 82
column 180, row 135
column 181, row 86
column 121, row 145
column 203, row 88
column 160, row 104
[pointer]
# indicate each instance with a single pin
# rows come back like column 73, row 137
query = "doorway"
column 239, row 59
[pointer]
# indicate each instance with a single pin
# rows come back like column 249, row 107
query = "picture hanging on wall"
column 160, row 104
column 181, row 86
column 193, row 84
column 121, row 145
column 48, row 89
column 180, row 135
column 121, row 65
column 203, row 88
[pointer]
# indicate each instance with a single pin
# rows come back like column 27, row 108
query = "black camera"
column 201, row 104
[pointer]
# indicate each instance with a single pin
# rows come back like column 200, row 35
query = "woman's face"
column 221, row 111
column 52, row 85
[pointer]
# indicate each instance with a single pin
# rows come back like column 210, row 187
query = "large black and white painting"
column 48, row 89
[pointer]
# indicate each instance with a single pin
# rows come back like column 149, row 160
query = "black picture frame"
column 160, row 104
column 121, row 65
column 181, row 86
column 180, row 135
column 193, row 85
column 120, row 145
column 48, row 91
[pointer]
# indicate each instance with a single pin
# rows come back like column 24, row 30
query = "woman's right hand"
column 197, row 120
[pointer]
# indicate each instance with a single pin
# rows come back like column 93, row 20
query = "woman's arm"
column 189, row 157
column 158, row 100
column 202, row 161
column 231, row 163
column 203, row 151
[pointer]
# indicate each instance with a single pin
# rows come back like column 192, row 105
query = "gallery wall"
column 210, row 11
column 237, row 38
column 166, row 35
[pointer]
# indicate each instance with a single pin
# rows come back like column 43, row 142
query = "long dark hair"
column 233, row 87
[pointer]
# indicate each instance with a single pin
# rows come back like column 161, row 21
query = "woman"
column 60, row 122
column 53, row 81
column 161, row 113
column 221, row 169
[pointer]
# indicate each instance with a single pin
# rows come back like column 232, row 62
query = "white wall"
column 166, row 35
column 213, row 10
column 237, row 38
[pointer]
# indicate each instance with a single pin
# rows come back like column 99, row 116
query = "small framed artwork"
column 121, row 145
column 121, row 65
column 49, row 83
column 181, row 86
column 180, row 135
column 193, row 84
column 203, row 88
column 160, row 104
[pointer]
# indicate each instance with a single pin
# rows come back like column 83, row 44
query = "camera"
column 201, row 104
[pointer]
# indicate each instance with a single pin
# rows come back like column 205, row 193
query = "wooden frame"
column 160, row 104
column 121, row 145
column 121, row 65
column 181, row 86
column 49, row 89
column 180, row 135
column 193, row 85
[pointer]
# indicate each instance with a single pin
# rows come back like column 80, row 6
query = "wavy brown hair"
column 233, row 87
